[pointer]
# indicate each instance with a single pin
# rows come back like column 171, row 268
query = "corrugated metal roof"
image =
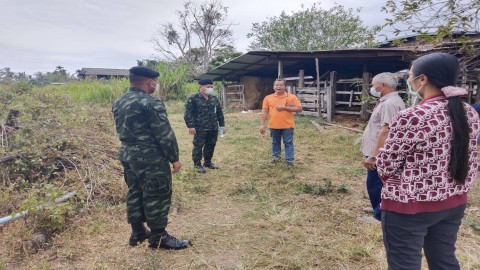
column 104, row 72
column 264, row 63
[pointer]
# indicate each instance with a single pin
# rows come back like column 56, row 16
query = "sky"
column 38, row 35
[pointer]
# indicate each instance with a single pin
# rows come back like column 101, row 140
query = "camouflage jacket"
column 143, row 129
column 203, row 114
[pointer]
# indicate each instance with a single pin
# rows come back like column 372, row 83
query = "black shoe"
column 138, row 236
column 200, row 169
column 165, row 240
column 210, row 165
column 289, row 164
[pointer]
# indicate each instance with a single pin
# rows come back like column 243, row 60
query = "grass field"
column 249, row 214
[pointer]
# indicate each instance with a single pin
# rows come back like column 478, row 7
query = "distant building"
column 102, row 73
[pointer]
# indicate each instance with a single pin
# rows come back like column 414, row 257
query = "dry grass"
column 246, row 215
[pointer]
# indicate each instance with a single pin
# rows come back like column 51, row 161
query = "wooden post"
column 477, row 94
column 351, row 99
column 365, row 91
column 465, row 86
column 301, row 78
column 331, row 96
column 280, row 69
column 470, row 93
column 317, row 68
column 224, row 95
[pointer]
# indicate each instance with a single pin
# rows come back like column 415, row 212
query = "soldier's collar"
column 136, row 89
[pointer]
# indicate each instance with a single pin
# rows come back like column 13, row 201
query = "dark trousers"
column 404, row 236
column 204, row 143
column 374, row 189
column 149, row 193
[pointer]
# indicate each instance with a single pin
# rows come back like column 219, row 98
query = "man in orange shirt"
column 280, row 107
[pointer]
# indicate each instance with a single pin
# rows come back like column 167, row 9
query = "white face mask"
column 412, row 92
column 374, row 92
column 209, row 91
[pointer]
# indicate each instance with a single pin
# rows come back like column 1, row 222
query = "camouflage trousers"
column 149, row 193
column 204, row 143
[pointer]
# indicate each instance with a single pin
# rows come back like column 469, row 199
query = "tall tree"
column 223, row 55
column 6, row 75
column 200, row 30
column 311, row 29
column 59, row 75
column 435, row 20
column 439, row 17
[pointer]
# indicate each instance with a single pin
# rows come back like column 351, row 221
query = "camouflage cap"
column 144, row 71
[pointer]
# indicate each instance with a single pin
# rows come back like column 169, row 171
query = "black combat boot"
column 210, row 165
column 139, row 234
column 161, row 239
column 199, row 168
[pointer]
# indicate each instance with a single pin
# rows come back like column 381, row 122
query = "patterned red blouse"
column 415, row 158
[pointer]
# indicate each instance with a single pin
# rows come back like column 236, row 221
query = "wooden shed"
column 327, row 82
column 340, row 78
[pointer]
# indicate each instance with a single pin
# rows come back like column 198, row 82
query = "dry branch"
column 318, row 126
column 347, row 128
column 3, row 159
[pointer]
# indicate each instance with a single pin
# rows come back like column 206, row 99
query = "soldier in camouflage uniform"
column 148, row 147
column 203, row 116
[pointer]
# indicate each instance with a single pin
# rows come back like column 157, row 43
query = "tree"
column 151, row 63
column 223, row 55
column 200, row 30
column 172, row 80
column 424, row 17
column 59, row 75
column 311, row 29
column 8, row 76
column 435, row 20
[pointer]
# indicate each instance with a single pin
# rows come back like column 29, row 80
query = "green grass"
column 91, row 91
column 249, row 214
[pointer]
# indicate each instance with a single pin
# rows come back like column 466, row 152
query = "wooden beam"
column 224, row 95
column 320, row 128
column 331, row 96
column 280, row 69
column 477, row 95
column 247, row 63
column 301, row 78
column 365, row 93
column 317, row 70
column 333, row 56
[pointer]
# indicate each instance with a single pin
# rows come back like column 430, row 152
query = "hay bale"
column 256, row 88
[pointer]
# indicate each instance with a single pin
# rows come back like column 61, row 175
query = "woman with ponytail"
column 428, row 165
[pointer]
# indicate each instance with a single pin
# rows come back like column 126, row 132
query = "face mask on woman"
column 412, row 92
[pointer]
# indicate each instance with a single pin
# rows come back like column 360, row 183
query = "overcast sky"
column 38, row 35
